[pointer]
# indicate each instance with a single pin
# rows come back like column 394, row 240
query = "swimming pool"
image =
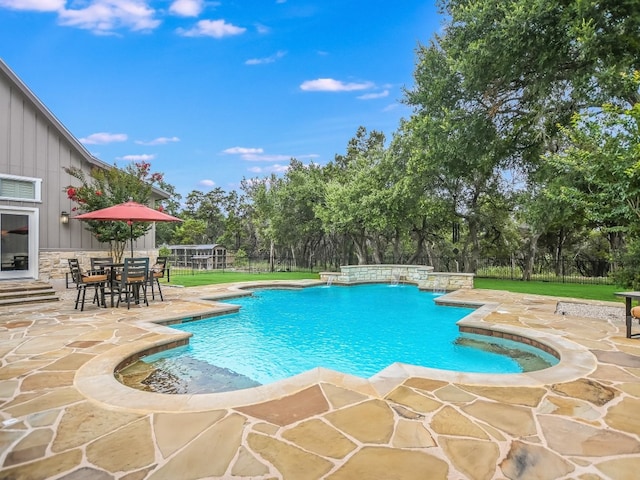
column 358, row 330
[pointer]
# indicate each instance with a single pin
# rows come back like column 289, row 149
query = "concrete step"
column 28, row 300
column 26, row 292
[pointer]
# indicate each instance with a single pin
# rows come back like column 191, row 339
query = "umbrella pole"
column 131, row 239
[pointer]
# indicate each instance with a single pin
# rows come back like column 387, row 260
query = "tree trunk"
column 346, row 247
column 475, row 246
column 272, row 256
column 293, row 257
column 560, row 241
column 360, row 244
column 116, row 250
column 378, row 250
column 419, row 249
column 397, row 243
column 616, row 244
column 530, row 256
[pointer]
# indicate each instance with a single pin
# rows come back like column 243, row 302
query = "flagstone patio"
column 65, row 416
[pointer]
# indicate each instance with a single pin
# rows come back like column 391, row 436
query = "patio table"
column 112, row 281
column 629, row 297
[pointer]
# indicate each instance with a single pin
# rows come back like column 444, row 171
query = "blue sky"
column 210, row 92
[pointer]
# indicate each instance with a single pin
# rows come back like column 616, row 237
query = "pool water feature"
column 358, row 330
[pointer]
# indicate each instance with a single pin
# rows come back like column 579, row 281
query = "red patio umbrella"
column 128, row 212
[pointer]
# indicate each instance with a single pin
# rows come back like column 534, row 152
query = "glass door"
column 17, row 246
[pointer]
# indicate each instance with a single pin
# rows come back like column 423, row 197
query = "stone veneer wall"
column 54, row 264
column 420, row 275
column 447, row 281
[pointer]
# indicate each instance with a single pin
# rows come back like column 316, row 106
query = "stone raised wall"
column 447, row 281
column 422, row 276
column 54, row 265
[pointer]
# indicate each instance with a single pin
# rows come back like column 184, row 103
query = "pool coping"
column 96, row 380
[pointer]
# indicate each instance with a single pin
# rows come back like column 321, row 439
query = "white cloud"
column 331, row 85
column 99, row 16
column 260, row 61
column 265, row 158
column 275, row 168
column 159, row 141
column 242, row 150
column 391, row 107
column 262, row 29
column 207, row 183
column 137, row 158
column 212, row 28
column 102, row 138
column 104, row 16
column 37, row 5
column 372, row 96
column 255, row 155
column 258, row 155
column 187, row 8
column 251, row 181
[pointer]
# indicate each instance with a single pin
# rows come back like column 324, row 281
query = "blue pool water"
column 357, row 330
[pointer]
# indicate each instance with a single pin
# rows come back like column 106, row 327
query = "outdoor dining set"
column 126, row 281
column 129, row 279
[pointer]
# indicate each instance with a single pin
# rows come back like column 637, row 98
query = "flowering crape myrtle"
column 105, row 188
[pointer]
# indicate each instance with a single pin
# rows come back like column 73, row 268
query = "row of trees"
column 523, row 141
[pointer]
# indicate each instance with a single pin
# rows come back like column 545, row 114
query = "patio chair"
column 84, row 280
column 21, row 262
column 100, row 264
column 133, row 280
column 99, row 267
column 155, row 274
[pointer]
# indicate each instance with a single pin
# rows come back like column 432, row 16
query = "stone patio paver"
column 65, row 417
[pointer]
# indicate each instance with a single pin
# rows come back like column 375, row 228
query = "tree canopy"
column 522, row 142
column 104, row 188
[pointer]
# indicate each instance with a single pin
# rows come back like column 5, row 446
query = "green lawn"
column 211, row 278
column 574, row 290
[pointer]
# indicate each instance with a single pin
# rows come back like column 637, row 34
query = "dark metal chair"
column 155, row 274
column 21, row 262
column 99, row 267
column 83, row 281
column 133, row 281
column 98, row 264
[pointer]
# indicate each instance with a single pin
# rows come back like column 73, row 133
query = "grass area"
column 573, row 290
column 212, row 278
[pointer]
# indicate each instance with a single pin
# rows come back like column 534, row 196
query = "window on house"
column 20, row 188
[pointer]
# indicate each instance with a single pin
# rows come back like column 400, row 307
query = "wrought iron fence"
column 568, row 270
column 249, row 265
